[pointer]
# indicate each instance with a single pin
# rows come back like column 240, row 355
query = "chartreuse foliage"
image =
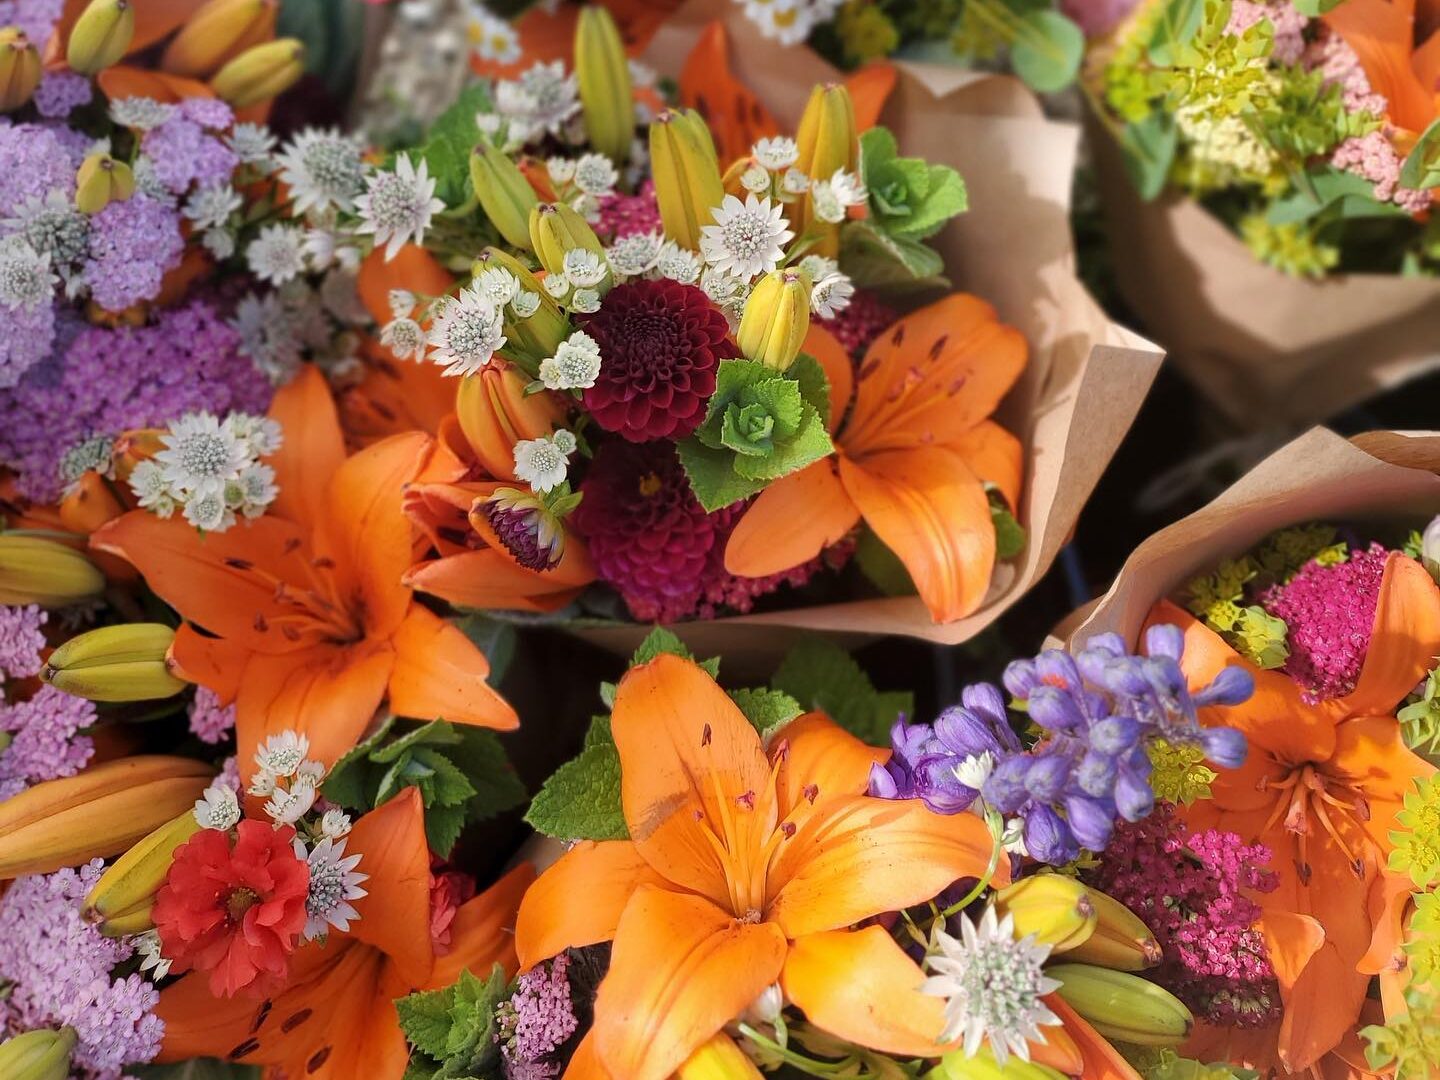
column 453, row 1030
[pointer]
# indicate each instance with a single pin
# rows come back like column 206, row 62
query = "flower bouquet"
column 1314, row 573
column 1268, row 170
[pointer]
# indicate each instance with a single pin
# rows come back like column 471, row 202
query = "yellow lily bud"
column 121, row 900
column 556, row 228
column 602, row 71
column 505, row 195
column 1122, row 1006
column 1055, row 908
column 34, row 570
column 686, row 175
column 260, row 72
column 101, row 35
column 718, row 1059
column 19, row 69
column 41, row 1054
column 530, row 339
column 219, row 31
column 1121, row 939
column 828, row 140
column 776, row 319
column 101, row 181
column 115, row 663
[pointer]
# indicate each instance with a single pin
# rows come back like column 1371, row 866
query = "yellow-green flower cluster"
column 1417, row 841
column 1422, row 944
column 1180, row 774
column 865, row 31
column 1254, row 633
column 1409, row 1044
column 1284, row 552
column 1291, row 247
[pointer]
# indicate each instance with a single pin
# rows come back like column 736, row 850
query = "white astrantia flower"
column 540, row 102
column 140, row 113
column 465, row 333
column 585, row 301
column 218, row 808
column 200, row 455
column 525, row 303
column 794, row 182
column 260, row 435
column 595, row 174
column 823, row 201
column 277, row 255
column 848, row 188
column 575, row 365
column 148, row 948
column 257, row 489
column 543, row 463
column 95, row 455
column 832, row 198
column 287, row 807
column 557, row 285
column 220, row 243
column 747, row 239
column 209, row 512
column 334, row 883
column 283, row 753
column 268, row 335
column 405, row 338
column 323, row 168
column 26, row 278
column 491, row 38
column 53, row 226
column 992, row 985
column 831, row 295
column 397, row 207
column 310, row 772
column 253, row 144
column 633, row 255
column 402, row 302
column 584, row 269
column 755, row 179
column 678, row 263
column 776, row 153
column 147, row 481
column 210, row 207
column 335, row 823
column 324, row 248
column 561, row 169
column 263, row 784
column 497, row 285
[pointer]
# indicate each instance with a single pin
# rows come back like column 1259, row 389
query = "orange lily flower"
column 1384, row 35
column 308, row 626
column 743, row 870
column 913, row 451
column 335, row 1019
column 1320, row 789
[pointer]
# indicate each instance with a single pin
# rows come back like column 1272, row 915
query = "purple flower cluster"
column 133, row 242
column 44, row 739
column 1098, row 712
column 58, row 970
column 60, row 93
column 1193, row 895
column 21, row 639
column 27, row 335
column 184, row 149
column 34, row 161
column 35, row 17
column 537, row 1021
column 210, row 721
column 104, row 381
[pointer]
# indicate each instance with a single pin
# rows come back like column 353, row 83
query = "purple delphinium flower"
column 210, row 721
column 21, row 639
column 58, row 971
column 133, row 242
column 183, row 153
column 60, row 93
column 45, row 743
column 537, row 1021
column 102, row 381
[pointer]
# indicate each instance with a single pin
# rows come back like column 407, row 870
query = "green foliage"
column 1047, row 50
column 1315, row 8
column 461, row 772
column 449, row 142
column 1281, row 554
column 909, row 197
column 758, row 427
column 453, row 1030
column 1294, row 248
column 767, row 710
column 881, row 566
column 1163, row 1063
column 1420, row 719
column 1422, row 166
column 1147, row 147
column 821, row 675
column 195, row 1069
column 581, row 799
column 1010, row 535
column 1408, row 1043
column 1217, row 599
column 1176, row 25
column 875, row 259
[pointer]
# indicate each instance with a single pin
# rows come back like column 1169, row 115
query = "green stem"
column 984, row 882
column 809, row 1066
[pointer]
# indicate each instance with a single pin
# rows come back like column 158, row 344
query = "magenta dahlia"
column 625, row 215
column 660, row 343
column 861, row 322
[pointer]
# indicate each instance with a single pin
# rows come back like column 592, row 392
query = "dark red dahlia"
column 660, row 343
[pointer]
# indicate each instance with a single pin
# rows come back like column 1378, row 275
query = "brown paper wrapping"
column 1086, row 377
column 1317, row 477
column 1267, row 348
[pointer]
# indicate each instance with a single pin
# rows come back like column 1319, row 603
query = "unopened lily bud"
column 686, row 175
column 495, row 413
column 34, row 570
column 718, row 1059
column 42, row 1054
column 505, row 195
column 602, row 71
column 529, row 338
column 101, row 36
column 102, row 180
column 260, row 73
column 555, row 229
column 776, row 319
column 19, row 69
column 219, row 31
column 828, row 141
column 115, row 663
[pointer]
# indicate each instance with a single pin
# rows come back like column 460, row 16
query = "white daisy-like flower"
column 466, row 332
column 253, row 144
column 543, row 463
column 26, row 279
column 263, row 784
column 848, row 188
column 525, row 303
column 283, row 753
column 826, row 206
column 334, row 883
column 95, row 455
column 776, row 153
column 324, row 248
column 201, row 455
column 310, row 772
column 140, row 113
column 832, row 198
column 287, row 807
column 209, row 512
column 747, row 239
column 497, row 285
column 595, row 174
column 268, row 336
column 633, row 255
column 405, row 338
column 402, row 302
column 585, row 301
column 152, row 492
column 323, row 169
column 992, row 985
column 260, row 435
column 542, row 100
column 397, row 206
column 678, row 263
column 584, row 269
column 218, row 808
column 220, row 243
column 557, row 285
column 724, row 289
column 335, row 823
column 210, row 207
column 831, row 295
column 575, row 365
column 755, row 179
column 257, row 489
column 277, row 255
column 794, row 182
column 561, row 169
column 491, row 38
column 147, row 947
column 587, row 206
column 787, row 21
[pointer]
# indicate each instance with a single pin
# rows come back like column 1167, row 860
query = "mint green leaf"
column 598, row 733
column 438, row 732
column 660, row 641
column 1333, row 193
column 1147, row 148
column 712, row 475
column 780, row 398
column 1009, row 534
column 1422, row 165
column 878, row 147
column 1047, row 50
column 581, row 800
column 449, row 142
column 876, row 260
column 425, row 1019
column 471, row 1044
column 767, row 710
column 1177, row 26
column 421, row 1067
column 945, row 197
column 814, row 385
column 748, row 430
column 481, row 757
column 821, row 675
column 909, row 197
column 352, row 780
column 881, row 566
column 443, row 826
column 809, row 444
column 448, row 785
column 1315, row 8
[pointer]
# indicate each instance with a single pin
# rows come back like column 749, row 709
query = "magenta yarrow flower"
column 865, row 319
column 626, row 215
column 537, row 1020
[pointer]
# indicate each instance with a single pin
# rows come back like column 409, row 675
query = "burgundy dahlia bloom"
column 660, row 343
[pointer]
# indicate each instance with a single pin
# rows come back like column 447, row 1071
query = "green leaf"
column 876, row 260
column 814, row 385
column 1315, row 8
column 449, row 142
column 821, row 675
column 1148, row 149
column 598, row 733
column 482, row 758
column 809, row 444
column 195, row 1069
column 1422, row 166
column 1047, row 51
column 581, row 800
column 780, row 398
column 448, row 785
column 1009, row 533
column 470, row 1047
column 435, row 731
column 909, row 197
column 748, row 430
column 443, row 826
column 712, row 475
column 1177, row 26
column 660, row 641
column 351, row 781
column 767, row 710
column 881, row 566
column 425, row 1019
column 1333, row 193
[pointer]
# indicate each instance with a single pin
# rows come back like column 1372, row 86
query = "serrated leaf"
column 1422, row 165
column 351, row 781
column 876, row 260
column 482, row 758
column 439, row 732
column 470, row 1046
column 1147, row 148
column 448, row 784
column 767, row 710
column 821, row 675
column 809, row 444
column 581, row 800
column 425, row 1019
column 780, row 397
column 813, row 382
column 659, row 641
column 1009, row 534
column 443, row 826
column 598, row 733
column 1047, row 51
column 909, row 197
column 712, row 475
column 449, row 142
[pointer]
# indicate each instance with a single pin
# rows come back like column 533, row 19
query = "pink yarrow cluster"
column 1288, row 23
column 537, row 1021
column 1330, row 613
column 627, row 215
column 1333, row 57
column 21, row 639
column 210, row 721
column 44, row 739
column 1374, row 157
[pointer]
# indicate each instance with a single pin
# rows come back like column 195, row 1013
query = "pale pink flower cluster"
column 1374, row 157
column 1289, row 25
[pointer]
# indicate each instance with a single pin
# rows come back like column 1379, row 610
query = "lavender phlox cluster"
column 185, row 149
column 36, row 18
column 44, row 739
column 21, row 639
column 60, row 93
column 133, row 242
column 1097, row 712
column 58, row 971
column 537, row 1021
column 35, row 160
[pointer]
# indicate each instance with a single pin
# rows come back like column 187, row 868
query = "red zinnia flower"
column 660, row 343
column 234, row 912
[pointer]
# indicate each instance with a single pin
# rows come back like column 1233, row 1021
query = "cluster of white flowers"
column 490, row 37
column 398, row 205
column 575, row 365
column 583, row 182
column 465, row 330
column 210, row 469
column 831, row 289
column 789, row 21
column 544, row 463
column 286, row 777
column 544, row 100
column 583, row 281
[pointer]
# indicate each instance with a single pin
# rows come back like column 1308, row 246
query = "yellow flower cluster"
column 1180, row 774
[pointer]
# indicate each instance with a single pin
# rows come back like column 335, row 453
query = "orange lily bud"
column 88, row 504
column 495, row 414
column 218, row 32
column 133, row 447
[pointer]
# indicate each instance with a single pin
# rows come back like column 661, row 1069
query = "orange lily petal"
column 1389, row 898
column 995, row 456
column 790, row 522
column 122, row 81
column 585, row 1062
column 395, row 916
column 735, row 115
column 483, row 933
column 198, row 1024
column 856, row 856
column 1403, row 644
column 1059, row 1051
column 491, row 579
column 495, row 413
column 1102, row 1061
column 1426, row 60
column 870, row 88
column 680, row 970
column 605, row 874
column 861, row 987
column 413, row 269
column 312, row 450
column 824, row 759
column 440, row 674
column 930, row 510
column 933, row 376
column 1382, row 35
column 1370, row 753
column 215, row 663
column 839, row 370
column 394, row 397
column 686, row 754
column 1320, row 987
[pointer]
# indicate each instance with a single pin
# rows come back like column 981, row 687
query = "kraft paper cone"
column 1267, row 348
column 1317, row 477
column 1086, row 377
